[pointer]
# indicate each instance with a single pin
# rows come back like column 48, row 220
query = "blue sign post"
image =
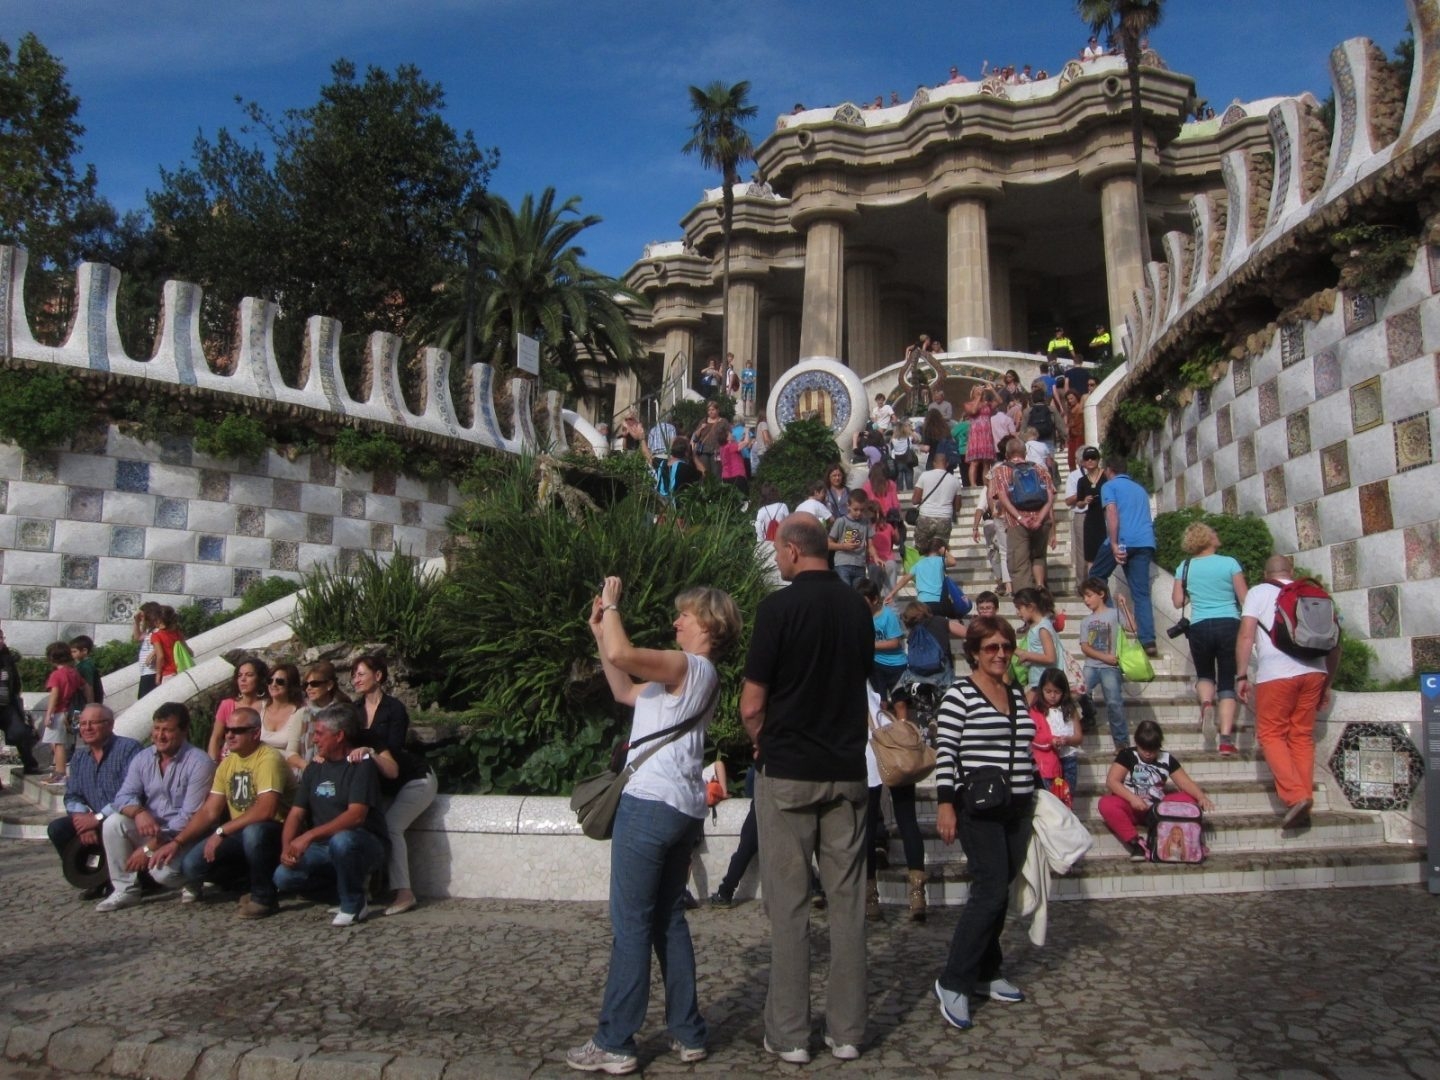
column 1430, row 736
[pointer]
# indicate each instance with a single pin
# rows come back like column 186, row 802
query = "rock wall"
column 1324, row 421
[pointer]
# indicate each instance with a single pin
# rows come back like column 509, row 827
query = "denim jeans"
column 255, row 852
column 994, row 842
column 1112, row 683
column 1137, row 576
column 649, row 864
column 345, row 860
column 850, row 574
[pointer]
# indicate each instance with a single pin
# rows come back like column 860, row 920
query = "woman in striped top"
column 983, row 721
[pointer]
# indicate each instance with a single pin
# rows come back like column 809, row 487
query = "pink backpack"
column 1177, row 832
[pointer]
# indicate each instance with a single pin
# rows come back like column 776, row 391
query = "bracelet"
column 609, row 607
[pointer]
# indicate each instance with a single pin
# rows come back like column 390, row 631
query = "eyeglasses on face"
column 279, row 682
column 990, row 648
column 241, row 730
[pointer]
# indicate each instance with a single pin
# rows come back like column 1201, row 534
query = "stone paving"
column 1297, row 984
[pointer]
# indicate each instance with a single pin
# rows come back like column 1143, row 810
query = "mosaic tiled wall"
column 88, row 533
column 1329, row 435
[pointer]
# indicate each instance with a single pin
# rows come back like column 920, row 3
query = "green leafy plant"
column 243, row 438
column 798, row 458
column 1202, row 368
column 687, row 415
column 514, row 618
column 1355, row 660
column 392, row 601
column 1141, row 414
column 1245, row 539
column 366, row 451
column 1372, row 257
column 114, row 655
column 41, row 409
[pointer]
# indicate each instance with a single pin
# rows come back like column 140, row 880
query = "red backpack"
column 1306, row 625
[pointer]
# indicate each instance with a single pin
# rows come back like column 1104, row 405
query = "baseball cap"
column 1088, row 453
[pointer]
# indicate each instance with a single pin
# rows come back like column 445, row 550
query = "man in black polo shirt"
column 804, row 706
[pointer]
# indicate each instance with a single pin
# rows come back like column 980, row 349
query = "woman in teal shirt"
column 1215, row 585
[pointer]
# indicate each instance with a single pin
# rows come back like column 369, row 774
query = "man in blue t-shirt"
column 1129, row 542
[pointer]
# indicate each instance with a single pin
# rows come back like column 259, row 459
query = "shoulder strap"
column 670, row 734
column 1185, row 580
column 932, row 491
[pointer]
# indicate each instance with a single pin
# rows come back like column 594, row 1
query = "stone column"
column 627, row 390
column 1124, row 258
column 743, row 330
column 896, row 311
column 784, row 332
column 967, row 276
column 822, row 316
column 863, row 345
column 1001, row 324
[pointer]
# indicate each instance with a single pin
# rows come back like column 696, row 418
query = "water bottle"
column 1120, row 551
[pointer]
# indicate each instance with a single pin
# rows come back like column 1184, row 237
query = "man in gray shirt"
column 164, row 786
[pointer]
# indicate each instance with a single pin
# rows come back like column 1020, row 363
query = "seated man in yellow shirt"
column 253, row 787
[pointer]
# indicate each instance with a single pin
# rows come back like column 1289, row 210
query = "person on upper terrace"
column 799, row 108
column 894, row 97
column 1059, row 346
column 1092, row 50
column 955, row 76
column 708, row 384
column 1100, row 344
column 1024, row 76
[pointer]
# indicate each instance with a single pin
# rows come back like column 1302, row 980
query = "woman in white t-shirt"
column 659, row 818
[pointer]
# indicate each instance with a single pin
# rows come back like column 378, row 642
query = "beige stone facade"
column 982, row 214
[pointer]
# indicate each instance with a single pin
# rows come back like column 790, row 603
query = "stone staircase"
column 1248, row 851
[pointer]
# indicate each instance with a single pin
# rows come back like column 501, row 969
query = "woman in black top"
column 1087, row 494
column 983, row 721
column 407, row 784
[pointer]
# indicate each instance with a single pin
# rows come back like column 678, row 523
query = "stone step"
column 1099, row 878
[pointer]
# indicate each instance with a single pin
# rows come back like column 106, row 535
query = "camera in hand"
column 1181, row 627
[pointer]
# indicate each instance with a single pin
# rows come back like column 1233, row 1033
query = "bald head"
column 806, row 533
column 1280, row 566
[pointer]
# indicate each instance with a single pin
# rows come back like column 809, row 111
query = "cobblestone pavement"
column 1296, row 984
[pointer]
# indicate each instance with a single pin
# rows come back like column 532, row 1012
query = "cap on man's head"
column 1090, row 454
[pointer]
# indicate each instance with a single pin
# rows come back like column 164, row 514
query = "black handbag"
column 912, row 514
column 988, row 787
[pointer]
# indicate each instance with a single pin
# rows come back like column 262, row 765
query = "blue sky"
column 589, row 96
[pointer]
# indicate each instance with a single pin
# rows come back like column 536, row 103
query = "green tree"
column 1128, row 22
column 48, row 203
column 528, row 276
column 343, row 208
column 720, row 138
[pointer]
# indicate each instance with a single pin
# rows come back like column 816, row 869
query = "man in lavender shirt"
column 164, row 786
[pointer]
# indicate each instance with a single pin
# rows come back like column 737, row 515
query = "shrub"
column 798, row 457
column 1245, row 539
column 114, row 655
column 1355, row 660
column 394, row 602
column 240, row 437
column 367, row 452
column 515, row 621
column 1372, row 257
column 41, row 409
column 1141, row 414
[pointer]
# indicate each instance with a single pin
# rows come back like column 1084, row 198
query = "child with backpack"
column 929, row 576
column 927, row 656
column 1041, row 648
column 69, row 694
column 771, row 514
column 1100, row 642
column 890, row 661
column 1135, row 787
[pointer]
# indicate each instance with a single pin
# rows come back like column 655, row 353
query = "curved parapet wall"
column 1317, row 409
column 93, row 344
column 824, row 387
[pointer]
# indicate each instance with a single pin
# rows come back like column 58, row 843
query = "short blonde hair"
column 1198, row 536
column 716, row 612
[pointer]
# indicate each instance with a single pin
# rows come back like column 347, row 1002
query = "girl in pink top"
column 732, row 463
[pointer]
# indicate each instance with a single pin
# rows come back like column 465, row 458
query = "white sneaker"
column 842, row 1051
column 798, row 1056
column 191, row 894
column 688, row 1054
column 344, row 919
column 590, row 1058
column 121, row 898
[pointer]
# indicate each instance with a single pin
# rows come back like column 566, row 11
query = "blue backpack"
column 1026, row 489
column 958, row 600
column 923, row 654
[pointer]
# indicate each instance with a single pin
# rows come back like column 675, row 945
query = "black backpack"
column 1042, row 420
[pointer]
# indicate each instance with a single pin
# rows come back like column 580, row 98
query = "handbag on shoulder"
column 902, row 756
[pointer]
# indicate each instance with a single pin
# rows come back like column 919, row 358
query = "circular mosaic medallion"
column 820, row 388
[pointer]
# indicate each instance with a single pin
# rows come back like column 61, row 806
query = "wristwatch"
column 220, row 830
column 99, row 815
column 147, row 850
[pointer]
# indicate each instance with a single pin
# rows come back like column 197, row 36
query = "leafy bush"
column 1372, row 257
column 367, row 452
column 1355, row 660
column 196, row 619
column 1199, row 369
column 1141, row 414
column 41, row 409
column 114, row 655
column 515, row 621
column 240, row 437
column 1245, row 539
column 34, row 670
column 394, row 602
column 798, row 458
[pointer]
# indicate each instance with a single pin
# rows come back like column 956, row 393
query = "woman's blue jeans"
column 649, row 864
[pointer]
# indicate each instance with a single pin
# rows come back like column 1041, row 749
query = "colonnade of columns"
column 847, row 312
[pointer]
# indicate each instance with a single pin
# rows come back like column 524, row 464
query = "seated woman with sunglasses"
column 983, row 723
column 282, row 723
column 247, row 691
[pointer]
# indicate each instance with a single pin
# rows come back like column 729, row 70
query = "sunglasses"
column 993, row 647
column 310, row 684
column 279, row 682
column 240, row 730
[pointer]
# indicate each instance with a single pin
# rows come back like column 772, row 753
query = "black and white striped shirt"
column 972, row 733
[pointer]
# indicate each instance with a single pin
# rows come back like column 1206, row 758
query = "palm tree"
column 1128, row 22
column 524, row 273
column 720, row 138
